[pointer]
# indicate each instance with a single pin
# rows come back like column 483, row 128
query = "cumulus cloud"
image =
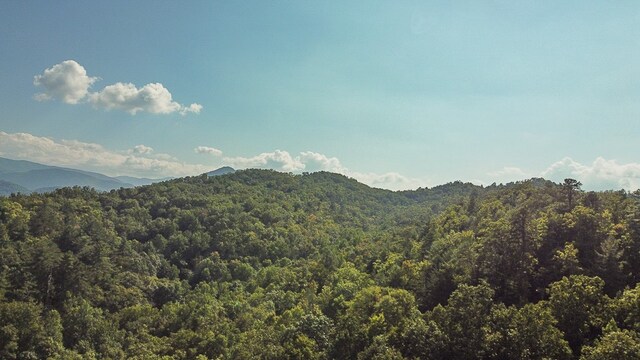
column 141, row 160
column 208, row 150
column 602, row 174
column 141, row 149
column 69, row 82
column 277, row 160
column 90, row 156
column 312, row 161
column 193, row 108
column 152, row 98
column 283, row 161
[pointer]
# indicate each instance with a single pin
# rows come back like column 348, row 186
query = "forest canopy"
column 266, row 265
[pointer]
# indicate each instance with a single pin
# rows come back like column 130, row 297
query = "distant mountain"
column 8, row 188
column 26, row 176
column 222, row 171
column 10, row 166
column 140, row 181
column 61, row 177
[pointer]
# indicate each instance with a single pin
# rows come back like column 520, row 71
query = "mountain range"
column 21, row 176
column 222, row 171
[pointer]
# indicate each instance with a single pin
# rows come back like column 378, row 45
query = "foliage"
column 265, row 265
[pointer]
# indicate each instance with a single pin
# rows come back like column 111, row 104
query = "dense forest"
column 266, row 265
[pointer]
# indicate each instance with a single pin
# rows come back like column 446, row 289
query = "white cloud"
column 602, row 174
column 389, row 180
column 311, row 161
column 193, row 108
column 164, row 157
column 142, row 161
column 152, row 98
column 283, row 161
column 506, row 174
column 314, row 161
column 208, row 150
column 277, row 160
column 95, row 157
column 67, row 81
column 141, row 149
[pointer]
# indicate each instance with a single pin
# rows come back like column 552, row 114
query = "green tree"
column 26, row 334
column 570, row 187
column 527, row 333
column 627, row 308
column 374, row 312
column 614, row 344
column 580, row 306
column 462, row 322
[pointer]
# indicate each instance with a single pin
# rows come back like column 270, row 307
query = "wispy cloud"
column 68, row 82
column 208, row 150
column 507, row 174
column 91, row 156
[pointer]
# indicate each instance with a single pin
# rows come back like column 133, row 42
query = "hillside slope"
column 262, row 264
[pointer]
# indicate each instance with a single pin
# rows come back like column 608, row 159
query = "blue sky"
column 395, row 94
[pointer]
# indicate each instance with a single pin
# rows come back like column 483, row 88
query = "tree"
column 506, row 256
column 565, row 261
column 374, row 312
column 450, row 262
column 627, row 310
column 462, row 322
column 88, row 331
column 527, row 333
column 570, row 187
column 579, row 304
column 26, row 334
column 614, row 344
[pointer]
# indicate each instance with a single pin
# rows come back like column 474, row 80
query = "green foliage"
column 27, row 332
column 526, row 333
column 615, row 344
column 580, row 306
column 265, row 265
column 462, row 322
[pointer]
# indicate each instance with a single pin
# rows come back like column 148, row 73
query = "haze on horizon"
column 396, row 95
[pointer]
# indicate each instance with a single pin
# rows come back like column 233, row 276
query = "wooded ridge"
column 259, row 264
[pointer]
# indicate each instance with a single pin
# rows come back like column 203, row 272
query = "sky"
column 396, row 94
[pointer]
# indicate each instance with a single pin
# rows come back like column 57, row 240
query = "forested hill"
column 265, row 265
